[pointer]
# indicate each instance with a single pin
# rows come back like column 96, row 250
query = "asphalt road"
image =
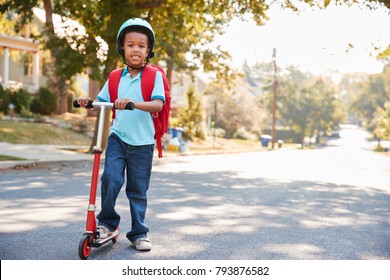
column 328, row 203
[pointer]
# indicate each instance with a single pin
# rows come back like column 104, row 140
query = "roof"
column 19, row 43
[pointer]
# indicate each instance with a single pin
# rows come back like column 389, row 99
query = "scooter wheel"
column 84, row 247
column 115, row 239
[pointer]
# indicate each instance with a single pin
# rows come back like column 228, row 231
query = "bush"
column 217, row 132
column 20, row 99
column 25, row 113
column 44, row 103
column 5, row 100
column 242, row 133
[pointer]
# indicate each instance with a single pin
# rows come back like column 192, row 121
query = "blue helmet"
column 138, row 24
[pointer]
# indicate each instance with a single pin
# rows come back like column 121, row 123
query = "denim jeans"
column 137, row 161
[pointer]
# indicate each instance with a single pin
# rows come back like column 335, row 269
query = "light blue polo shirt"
column 133, row 127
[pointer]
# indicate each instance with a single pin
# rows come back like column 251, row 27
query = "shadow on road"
column 235, row 218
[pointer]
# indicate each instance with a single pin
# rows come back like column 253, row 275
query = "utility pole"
column 214, row 124
column 274, row 98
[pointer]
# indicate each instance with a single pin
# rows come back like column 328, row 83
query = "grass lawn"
column 17, row 132
column 5, row 158
column 39, row 133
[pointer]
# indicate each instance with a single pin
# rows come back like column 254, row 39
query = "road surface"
column 321, row 204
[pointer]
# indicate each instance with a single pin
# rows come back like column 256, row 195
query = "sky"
column 336, row 40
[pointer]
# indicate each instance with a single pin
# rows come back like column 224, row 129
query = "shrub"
column 5, row 100
column 19, row 98
column 44, row 103
column 242, row 133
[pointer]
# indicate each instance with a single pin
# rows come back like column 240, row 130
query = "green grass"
column 39, row 133
column 5, row 158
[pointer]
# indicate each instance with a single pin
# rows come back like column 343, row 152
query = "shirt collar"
column 125, row 71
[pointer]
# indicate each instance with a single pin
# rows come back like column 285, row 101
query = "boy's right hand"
column 83, row 101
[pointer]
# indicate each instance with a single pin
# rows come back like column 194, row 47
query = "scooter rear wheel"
column 85, row 247
column 115, row 239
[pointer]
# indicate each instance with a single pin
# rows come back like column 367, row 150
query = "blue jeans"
column 137, row 161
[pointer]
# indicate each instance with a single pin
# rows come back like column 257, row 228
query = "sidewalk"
column 34, row 154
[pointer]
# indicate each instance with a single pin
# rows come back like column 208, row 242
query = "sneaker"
column 104, row 232
column 142, row 244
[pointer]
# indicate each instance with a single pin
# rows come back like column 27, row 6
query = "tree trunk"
column 302, row 138
column 58, row 83
column 62, row 106
column 169, row 72
column 93, row 91
column 51, row 72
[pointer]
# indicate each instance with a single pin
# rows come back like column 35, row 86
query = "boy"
column 130, row 144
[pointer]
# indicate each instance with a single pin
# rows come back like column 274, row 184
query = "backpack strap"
column 147, row 81
column 113, row 84
column 147, row 86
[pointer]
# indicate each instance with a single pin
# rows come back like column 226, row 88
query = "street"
column 331, row 203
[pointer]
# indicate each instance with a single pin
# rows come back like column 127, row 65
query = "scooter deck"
column 100, row 242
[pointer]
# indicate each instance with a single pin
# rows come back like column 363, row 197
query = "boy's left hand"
column 121, row 103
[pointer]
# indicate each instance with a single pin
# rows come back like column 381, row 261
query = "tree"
column 177, row 24
column 373, row 93
column 66, row 59
column 327, row 108
column 7, row 23
column 382, row 121
column 308, row 105
column 233, row 109
column 182, row 27
column 293, row 107
column 191, row 117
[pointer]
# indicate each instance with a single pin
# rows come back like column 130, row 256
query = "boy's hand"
column 121, row 103
column 83, row 101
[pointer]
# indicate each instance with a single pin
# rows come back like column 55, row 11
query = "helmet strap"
column 136, row 68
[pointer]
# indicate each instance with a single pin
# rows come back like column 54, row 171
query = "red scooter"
column 91, row 236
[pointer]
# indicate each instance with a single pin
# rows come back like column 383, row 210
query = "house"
column 21, row 58
column 22, row 70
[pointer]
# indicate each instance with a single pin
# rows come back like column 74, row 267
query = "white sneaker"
column 142, row 244
column 104, row 232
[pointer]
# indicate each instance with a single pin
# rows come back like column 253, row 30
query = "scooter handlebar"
column 77, row 105
column 91, row 104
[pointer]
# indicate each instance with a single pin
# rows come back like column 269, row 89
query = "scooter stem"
column 100, row 128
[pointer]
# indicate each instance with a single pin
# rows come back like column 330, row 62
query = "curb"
column 35, row 164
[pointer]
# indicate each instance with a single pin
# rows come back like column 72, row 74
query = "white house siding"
column 19, row 62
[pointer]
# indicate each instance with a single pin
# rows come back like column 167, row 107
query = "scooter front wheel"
column 85, row 247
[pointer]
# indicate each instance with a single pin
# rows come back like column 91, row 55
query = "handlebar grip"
column 129, row 106
column 77, row 105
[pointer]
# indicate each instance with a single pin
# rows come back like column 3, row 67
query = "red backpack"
column 161, row 118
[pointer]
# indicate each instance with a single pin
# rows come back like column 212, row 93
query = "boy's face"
column 135, row 47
